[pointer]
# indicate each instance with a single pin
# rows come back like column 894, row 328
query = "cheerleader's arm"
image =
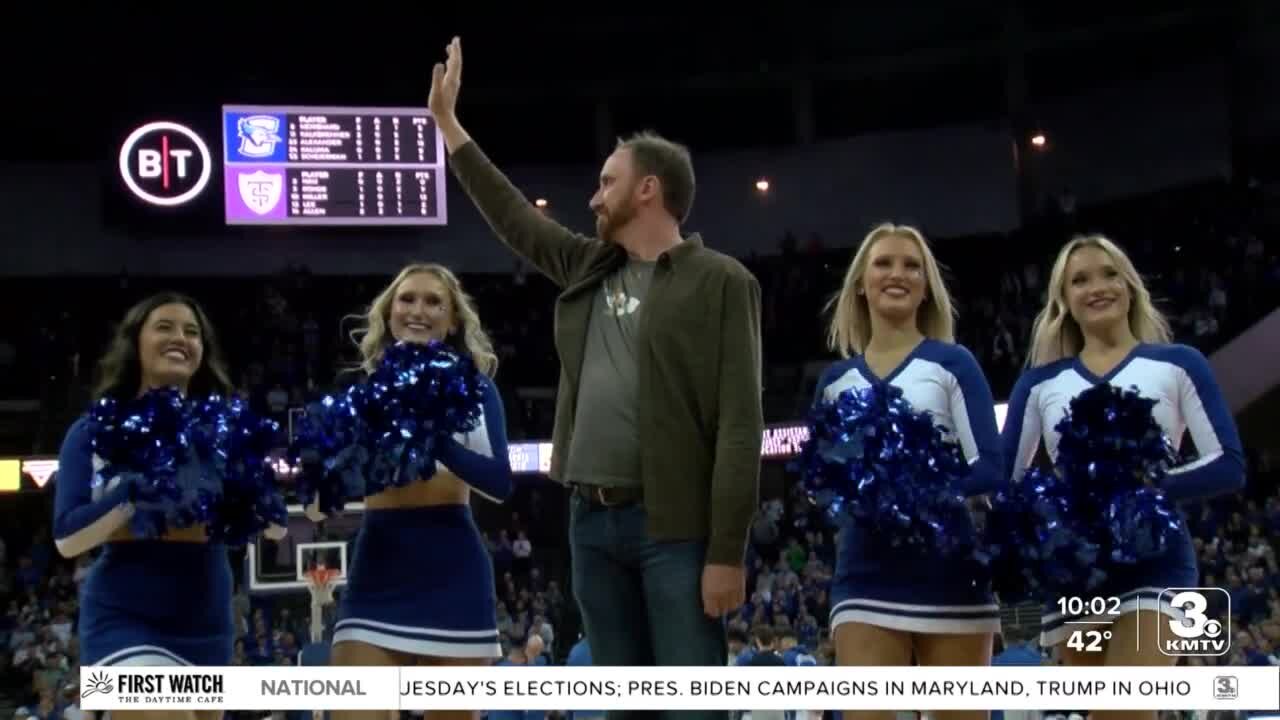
column 480, row 459
column 81, row 523
column 974, row 415
column 1220, row 468
column 832, row 373
column 1020, row 436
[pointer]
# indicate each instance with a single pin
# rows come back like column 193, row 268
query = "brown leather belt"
column 608, row 497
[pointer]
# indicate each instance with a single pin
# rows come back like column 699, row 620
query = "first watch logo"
column 97, row 682
column 171, row 690
column 164, row 163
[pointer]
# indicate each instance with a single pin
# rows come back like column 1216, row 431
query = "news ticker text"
column 680, row 688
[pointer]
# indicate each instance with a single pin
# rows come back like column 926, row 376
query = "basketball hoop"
column 320, row 580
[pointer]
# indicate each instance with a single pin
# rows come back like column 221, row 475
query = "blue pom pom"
column 1116, row 454
column 1040, row 545
column 871, row 457
column 385, row 432
column 188, row 463
column 330, row 452
column 419, row 394
column 1101, row 503
column 146, row 443
column 1111, row 442
column 250, row 501
column 1141, row 525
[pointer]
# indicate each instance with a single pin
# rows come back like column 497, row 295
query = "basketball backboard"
column 280, row 566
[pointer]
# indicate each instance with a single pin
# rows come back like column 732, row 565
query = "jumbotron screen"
column 300, row 165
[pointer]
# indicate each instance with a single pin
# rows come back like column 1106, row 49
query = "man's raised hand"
column 446, row 80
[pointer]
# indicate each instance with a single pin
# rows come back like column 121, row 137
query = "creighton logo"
column 261, row 190
column 258, row 135
column 619, row 303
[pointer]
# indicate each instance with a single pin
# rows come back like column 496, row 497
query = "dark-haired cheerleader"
column 163, row 601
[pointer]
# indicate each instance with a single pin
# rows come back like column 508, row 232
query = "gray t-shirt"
column 605, row 448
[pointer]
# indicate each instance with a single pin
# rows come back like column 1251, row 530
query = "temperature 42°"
column 1088, row 640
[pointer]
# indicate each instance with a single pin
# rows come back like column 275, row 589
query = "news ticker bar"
column 680, row 688
column 778, row 443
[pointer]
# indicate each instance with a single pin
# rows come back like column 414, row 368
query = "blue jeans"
column 641, row 600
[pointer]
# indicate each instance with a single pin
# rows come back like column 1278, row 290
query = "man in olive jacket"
column 658, row 416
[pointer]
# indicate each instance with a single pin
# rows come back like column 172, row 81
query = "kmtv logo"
column 1195, row 633
column 165, row 163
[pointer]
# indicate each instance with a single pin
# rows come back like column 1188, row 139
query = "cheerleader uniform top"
column 1187, row 398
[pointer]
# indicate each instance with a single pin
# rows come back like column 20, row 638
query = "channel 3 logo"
column 1226, row 687
column 1195, row 634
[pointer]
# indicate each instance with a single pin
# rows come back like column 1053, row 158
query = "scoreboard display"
column 298, row 165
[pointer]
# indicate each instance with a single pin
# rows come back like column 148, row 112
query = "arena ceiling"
column 539, row 76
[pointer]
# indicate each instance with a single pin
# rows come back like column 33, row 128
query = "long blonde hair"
column 375, row 334
column 850, row 329
column 1056, row 334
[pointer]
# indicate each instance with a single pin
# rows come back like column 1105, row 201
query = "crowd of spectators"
column 1209, row 254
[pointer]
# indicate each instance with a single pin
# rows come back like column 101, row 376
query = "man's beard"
column 610, row 222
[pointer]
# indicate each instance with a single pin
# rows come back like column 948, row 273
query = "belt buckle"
column 600, row 497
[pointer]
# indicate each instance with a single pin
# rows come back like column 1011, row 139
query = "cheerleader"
column 1100, row 326
column 421, row 590
column 893, row 325
column 151, row 602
